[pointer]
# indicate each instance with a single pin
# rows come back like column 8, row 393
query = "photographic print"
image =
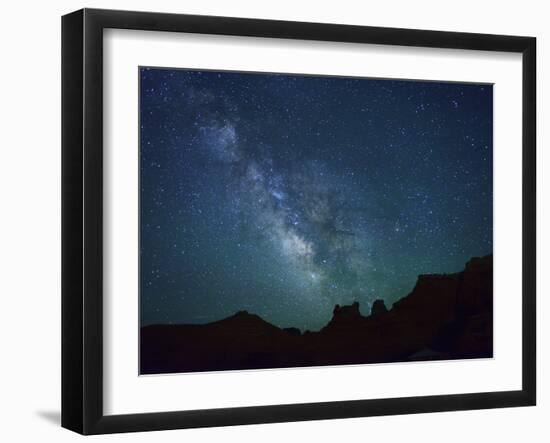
column 294, row 220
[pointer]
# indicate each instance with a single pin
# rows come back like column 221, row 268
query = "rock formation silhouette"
column 378, row 307
column 447, row 316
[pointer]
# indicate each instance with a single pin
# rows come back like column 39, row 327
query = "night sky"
column 284, row 195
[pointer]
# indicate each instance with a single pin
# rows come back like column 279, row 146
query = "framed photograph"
column 269, row 221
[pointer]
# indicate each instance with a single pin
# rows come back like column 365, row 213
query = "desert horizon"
column 445, row 317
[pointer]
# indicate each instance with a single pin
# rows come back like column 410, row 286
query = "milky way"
column 285, row 195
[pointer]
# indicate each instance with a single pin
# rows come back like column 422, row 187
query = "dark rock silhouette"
column 347, row 312
column 292, row 331
column 345, row 318
column 444, row 317
column 378, row 307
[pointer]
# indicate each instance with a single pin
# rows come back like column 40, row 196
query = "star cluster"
column 286, row 194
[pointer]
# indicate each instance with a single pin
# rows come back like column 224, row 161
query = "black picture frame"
column 82, row 218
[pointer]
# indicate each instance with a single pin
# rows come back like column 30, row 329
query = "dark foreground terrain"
column 444, row 317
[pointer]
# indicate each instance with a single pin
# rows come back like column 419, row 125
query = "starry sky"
column 284, row 195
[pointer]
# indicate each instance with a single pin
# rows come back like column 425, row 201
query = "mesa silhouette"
column 446, row 316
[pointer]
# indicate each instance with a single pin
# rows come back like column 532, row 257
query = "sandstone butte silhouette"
column 445, row 317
